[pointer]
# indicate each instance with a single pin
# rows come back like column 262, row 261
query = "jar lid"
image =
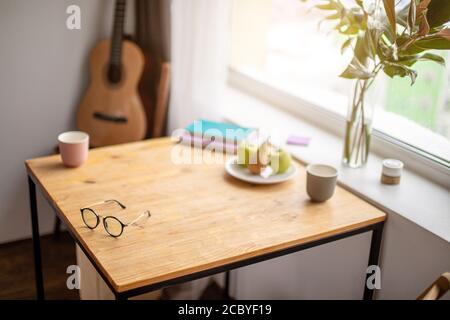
column 392, row 167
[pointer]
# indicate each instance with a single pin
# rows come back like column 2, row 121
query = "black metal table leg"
column 226, row 290
column 375, row 246
column 57, row 228
column 119, row 296
column 36, row 241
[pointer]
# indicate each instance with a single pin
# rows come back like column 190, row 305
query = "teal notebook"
column 207, row 128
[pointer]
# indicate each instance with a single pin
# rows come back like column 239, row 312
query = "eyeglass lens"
column 90, row 218
column 113, row 226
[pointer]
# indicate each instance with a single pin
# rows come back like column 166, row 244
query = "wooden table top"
column 201, row 217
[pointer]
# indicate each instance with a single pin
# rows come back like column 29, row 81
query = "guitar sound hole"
column 109, row 118
column 114, row 73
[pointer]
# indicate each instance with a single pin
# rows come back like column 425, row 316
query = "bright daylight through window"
column 284, row 44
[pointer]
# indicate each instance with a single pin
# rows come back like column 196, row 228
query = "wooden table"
column 203, row 221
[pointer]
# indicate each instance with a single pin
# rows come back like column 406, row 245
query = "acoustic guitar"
column 111, row 111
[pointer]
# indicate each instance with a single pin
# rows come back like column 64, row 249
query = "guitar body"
column 113, row 113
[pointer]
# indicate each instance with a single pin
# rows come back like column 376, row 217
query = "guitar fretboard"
column 117, row 35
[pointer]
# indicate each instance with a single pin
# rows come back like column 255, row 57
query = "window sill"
column 321, row 108
column 416, row 198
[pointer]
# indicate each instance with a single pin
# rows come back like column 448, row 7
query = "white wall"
column 43, row 73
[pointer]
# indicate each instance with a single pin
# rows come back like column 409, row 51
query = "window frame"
column 419, row 161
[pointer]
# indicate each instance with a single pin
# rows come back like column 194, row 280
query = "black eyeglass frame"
column 105, row 218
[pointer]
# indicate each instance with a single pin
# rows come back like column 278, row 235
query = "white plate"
column 242, row 173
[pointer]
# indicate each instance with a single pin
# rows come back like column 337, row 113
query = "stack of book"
column 216, row 136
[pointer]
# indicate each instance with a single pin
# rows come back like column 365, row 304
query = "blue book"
column 207, row 129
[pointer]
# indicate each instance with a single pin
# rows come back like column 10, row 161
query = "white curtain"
column 200, row 34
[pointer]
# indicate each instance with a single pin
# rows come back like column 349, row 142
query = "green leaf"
column 438, row 13
column 327, row 6
column 362, row 50
column 407, row 60
column 346, row 44
column 356, row 70
column 411, row 49
column 433, row 42
column 353, row 73
column 412, row 59
column 433, row 57
column 389, row 7
column 350, row 30
column 333, row 16
column 360, row 3
column 395, row 69
column 371, row 42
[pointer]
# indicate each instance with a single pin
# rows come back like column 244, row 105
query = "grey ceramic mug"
column 320, row 181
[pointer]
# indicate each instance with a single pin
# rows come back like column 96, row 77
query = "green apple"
column 280, row 161
column 242, row 154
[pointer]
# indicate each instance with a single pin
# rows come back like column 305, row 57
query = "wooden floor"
column 17, row 270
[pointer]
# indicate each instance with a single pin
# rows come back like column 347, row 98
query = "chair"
column 439, row 287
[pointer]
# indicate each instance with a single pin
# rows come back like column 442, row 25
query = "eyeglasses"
column 112, row 225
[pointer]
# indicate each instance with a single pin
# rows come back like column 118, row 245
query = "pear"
column 243, row 154
column 280, row 161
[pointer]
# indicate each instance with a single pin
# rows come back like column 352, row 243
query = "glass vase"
column 358, row 127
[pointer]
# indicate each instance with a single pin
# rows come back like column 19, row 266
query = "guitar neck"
column 117, row 34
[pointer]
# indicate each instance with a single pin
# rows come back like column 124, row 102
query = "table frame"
column 375, row 245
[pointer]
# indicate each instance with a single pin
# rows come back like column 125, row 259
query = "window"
column 280, row 43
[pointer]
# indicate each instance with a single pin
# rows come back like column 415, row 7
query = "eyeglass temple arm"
column 116, row 201
column 106, row 201
column 144, row 214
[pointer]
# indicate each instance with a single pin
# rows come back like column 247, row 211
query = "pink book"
column 210, row 142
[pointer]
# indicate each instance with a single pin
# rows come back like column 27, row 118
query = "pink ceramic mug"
column 73, row 147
